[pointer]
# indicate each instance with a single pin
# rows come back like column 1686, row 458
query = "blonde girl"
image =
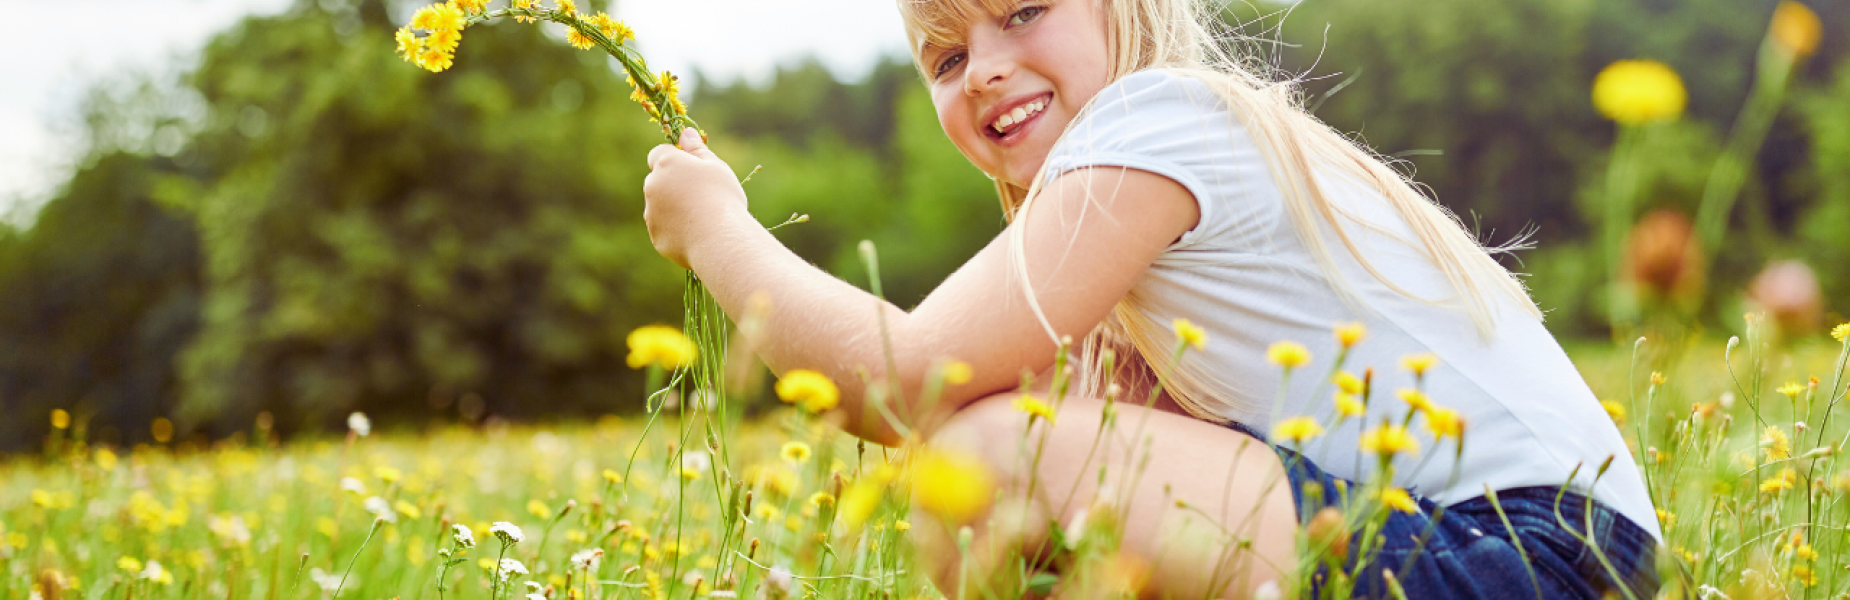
column 1149, row 177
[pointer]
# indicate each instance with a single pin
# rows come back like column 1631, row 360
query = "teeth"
column 1021, row 113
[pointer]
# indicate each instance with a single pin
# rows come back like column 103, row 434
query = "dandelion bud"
column 752, row 552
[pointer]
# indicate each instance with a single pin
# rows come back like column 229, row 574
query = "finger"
column 693, row 144
column 657, row 154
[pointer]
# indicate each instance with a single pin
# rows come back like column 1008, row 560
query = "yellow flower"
column 439, row 17
column 1792, row 390
column 952, row 486
column 1297, row 429
column 1190, row 334
column 1399, row 499
column 567, row 7
column 1034, row 407
column 162, row 430
column 444, row 41
column 1795, row 29
column 105, row 459
column 1841, row 333
column 387, row 474
column 859, row 502
column 1666, row 518
column 538, row 509
column 671, row 85
column 1784, row 481
column 470, row 6
column 1420, row 363
column 1805, row 552
column 43, row 499
column 957, row 372
column 1347, row 406
column 1804, row 574
column 1614, row 410
column 612, row 28
column 1416, row 399
column 128, row 563
column 1288, row 354
column 1348, row 383
column 1389, row 440
column 690, row 473
column 1639, row 92
column 660, row 345
column 60, row 419
column 821, row 499
column 408, row 44
column 1445, row 423
column 1778, row 446
column 527, row 4
column 1348, row 334
column 612, row 477
column 902, row 526
column 435, row 60
column 808, row 389
column 579, row 40
column 1657, row 378
column 795, row 453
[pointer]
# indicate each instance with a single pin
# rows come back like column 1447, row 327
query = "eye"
column 947, row 62
column 1026, row 14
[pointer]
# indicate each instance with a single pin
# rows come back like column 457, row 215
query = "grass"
column 784, row 505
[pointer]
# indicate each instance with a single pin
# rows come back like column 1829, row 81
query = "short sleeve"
column 1171, row 125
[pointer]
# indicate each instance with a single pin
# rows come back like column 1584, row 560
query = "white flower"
column 697, row 460
column 464, row 536
column 509, row 568
column 535, row 586
column 154, row 570
column 587, row 558
column 692, row 576
column 536, row 597
column 353, row 485
column 328, row 582
column 381, row 508
column 1267, row 591
column 508, row 532
column 780, row 578
column 360, row 425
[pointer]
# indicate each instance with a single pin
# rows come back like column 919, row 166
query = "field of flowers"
column 697, row 503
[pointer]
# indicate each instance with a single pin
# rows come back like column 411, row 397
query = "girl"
column 1147, row 178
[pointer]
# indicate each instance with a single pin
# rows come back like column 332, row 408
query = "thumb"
column 694, row 143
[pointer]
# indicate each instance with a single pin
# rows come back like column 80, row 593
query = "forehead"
column 938, row 24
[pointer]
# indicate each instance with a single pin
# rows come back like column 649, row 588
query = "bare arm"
column 1084, row 251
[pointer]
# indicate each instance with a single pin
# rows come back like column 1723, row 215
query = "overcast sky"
column 50, row 49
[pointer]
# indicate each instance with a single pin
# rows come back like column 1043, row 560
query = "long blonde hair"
column 1178, row 36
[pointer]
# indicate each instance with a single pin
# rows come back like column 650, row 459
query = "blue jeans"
column 1469, row 553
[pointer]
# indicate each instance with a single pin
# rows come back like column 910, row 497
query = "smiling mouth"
column 1013, row 121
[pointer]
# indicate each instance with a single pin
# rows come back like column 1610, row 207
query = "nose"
column 988, row 65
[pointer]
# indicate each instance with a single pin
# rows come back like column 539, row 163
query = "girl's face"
column 1007, row 90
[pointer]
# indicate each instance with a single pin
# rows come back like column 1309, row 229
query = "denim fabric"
column 1471, row 554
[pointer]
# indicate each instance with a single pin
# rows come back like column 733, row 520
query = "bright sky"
column 47, row 67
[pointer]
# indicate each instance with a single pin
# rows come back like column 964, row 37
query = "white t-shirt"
column 1244, row 275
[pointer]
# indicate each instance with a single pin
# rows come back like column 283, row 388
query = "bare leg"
column 1206, row 511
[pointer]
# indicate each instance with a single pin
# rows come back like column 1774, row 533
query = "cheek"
column 954, row 119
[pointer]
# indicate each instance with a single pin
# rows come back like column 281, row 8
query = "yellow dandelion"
column 1778, row 446
column 1399, row 499
column 1780, row 483
column 444, row 41
column 527, row 5
column 1348, row 383
column 859, row 502
column 1792, row 390
column 1416, row 399
column 439, row 17
column 1297, row 429
column 812, row 391
column 1804, row 575
column 60, row 419
column 902, row 526
column 105, row 459
column 1805, row 552
column 1614, row 410
column 1445, row 423
column 660, row 345
column 612, row 477
column 953, row 486
column 1639, row 92
column 435, row 60
column 1191, row 334
column 795, row 453
column 822, row 499
column 128, row 563
column 1841, row 333
column 387, row 474
column 958, row 372
column 567, row 7
column 409, row 45
column 1389, row 440
column 1348, row 407
column 470, row 6
column 1349, row 334
column 690, row 473
column 1288, row 354
column 578, row 39
column 1034, row 407
column 1795, row 29
column 1420, row 363
column 538, row 509
column 407, row 509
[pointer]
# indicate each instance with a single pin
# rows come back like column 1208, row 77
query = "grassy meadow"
column 695, row 505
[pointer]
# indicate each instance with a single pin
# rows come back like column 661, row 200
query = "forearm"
column 812, row 320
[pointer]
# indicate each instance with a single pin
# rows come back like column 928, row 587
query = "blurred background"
column 236, row 209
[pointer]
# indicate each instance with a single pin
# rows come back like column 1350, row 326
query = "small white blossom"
column 509, row 533
column 697, row 460
column 328, row 582
column 535, row 586
column 360, row 425
column 153, row 571
column 510, row 568
column 353, row 485
column 780, row 577
column 587, row 558
column 464, row 536
column 382, row 509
